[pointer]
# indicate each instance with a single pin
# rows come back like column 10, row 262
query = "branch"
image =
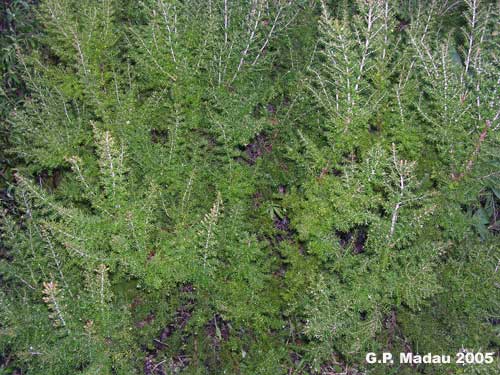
column 250, row 40
column 169, row 31
column 470, row 162
column 399, row 166
column 275, row 22
column 473, row 5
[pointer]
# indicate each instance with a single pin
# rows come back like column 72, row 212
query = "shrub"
column 257, row 187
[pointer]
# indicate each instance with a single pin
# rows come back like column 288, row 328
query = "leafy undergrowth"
column 251, row 187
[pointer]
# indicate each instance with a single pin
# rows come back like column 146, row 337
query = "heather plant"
column 17, row 28
column 252, row 187
column 384, row 229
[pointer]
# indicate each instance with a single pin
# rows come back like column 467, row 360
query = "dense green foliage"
column 252, row 187
column 17, row 28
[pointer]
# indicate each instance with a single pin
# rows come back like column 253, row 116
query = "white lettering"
column 371, row 358
column 405, row 357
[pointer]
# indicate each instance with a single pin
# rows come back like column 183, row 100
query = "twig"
column 250, row 40
column 470, row 162
column 275, row 22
